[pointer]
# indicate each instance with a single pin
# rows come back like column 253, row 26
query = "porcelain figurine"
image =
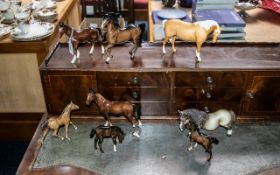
column 194, row 32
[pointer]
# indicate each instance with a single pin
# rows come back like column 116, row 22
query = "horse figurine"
column 90, row 34
column 208, row 121
column 102, row 132
column 115, row 34
column 194, row 32
column 197, row 138
column 54, row 123
column 107, row 108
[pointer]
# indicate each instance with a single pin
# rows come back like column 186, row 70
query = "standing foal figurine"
column 116, row 35
column 90, row 34
column 194, row 32
column 197, row 138
column 102, row 132
column 54, row 123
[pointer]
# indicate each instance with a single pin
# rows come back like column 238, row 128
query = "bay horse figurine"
column 54, row 123
column 102, row 132
column 197, row 138
column 208, row 121
column 116, row 35
column 193, row 32
column 107, row 108
column 90, row 34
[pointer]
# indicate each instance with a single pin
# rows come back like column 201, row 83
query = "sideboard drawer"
column 140, row 94
column 214, row 79
column 133, row 78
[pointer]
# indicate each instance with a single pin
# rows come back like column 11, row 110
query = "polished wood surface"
column 169, row 82
column 261, row 25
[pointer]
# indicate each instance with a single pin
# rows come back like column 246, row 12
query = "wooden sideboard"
column 244, row 78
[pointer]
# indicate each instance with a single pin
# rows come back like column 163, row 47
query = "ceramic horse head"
column 194, row 32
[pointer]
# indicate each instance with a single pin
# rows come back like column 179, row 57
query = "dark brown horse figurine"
column 102, row 132
column 116, row 35
column 196, row 137
column 90, row 34
column 107, row 108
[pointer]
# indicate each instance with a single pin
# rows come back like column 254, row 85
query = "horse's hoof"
column 136, row 134
column 107, row 62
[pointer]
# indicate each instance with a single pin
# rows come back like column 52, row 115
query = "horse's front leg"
column 92, row 48
column 76, row 53
column 191, row 144
column 229, row 130
column 108, row 53
column 75, row 127
column 55, row 134
column 115, row 143
column 66, row 131
column 197, row 51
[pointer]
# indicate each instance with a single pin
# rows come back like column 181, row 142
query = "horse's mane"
column 66, row 108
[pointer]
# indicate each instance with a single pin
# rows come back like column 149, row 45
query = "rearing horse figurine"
column 116, row 35
column 90, row 34
column 194, row 32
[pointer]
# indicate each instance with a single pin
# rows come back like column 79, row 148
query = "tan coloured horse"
column 54, row 123
column 193, row 32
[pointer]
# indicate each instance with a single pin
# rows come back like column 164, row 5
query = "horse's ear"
column 91, row 90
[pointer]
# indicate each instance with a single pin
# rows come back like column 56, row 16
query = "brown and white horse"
column 116, row 108
column 193, row 32
column 90, row 34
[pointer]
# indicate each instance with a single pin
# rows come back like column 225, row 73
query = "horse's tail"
column 44, row 124
column 137, row 111
column 92, row 133
column 233, row 116
column 213, row 140
column 142, row 28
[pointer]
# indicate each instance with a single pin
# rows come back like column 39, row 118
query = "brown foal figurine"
column 196, row 137
column 64, row 119
column 115, row 34
column 116, row 108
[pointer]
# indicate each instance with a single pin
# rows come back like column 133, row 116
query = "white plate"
column 32, row 32
column 4, row 30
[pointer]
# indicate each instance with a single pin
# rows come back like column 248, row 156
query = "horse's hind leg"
column 55, row 134
column 100, row 144
column 209, row 150
column 108, row 53
column 173, row 43
column 66, row 131
column 163, row 44
column 95, row 142
column 197, row 51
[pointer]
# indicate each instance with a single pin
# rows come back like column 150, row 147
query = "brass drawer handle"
column 210, row 80
column 206, row 93
column 135, row 80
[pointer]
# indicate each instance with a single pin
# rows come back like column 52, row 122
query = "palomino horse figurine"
column 54, row 123
column 196, row 137
column 107, row 108
column 194, row 32
column 90, row 34
column 209, row 121
column 102, row 132
column 116, row 35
